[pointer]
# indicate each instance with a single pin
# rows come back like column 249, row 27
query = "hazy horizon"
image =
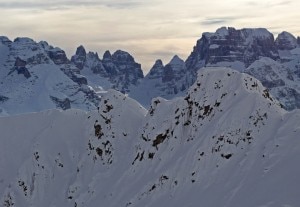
column 147, row 30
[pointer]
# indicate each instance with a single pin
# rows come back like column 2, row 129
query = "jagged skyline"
column 148, row 30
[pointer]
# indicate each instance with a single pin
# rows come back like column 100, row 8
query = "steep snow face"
column 166, row 81
column 118, row 71
column 227, row 143
column 36, row 76
column 67, row 155
column 224, row 144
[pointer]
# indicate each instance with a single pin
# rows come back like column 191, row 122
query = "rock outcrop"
column 119, row 69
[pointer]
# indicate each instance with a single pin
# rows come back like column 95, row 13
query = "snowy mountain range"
column 36, row 76
column 252, row 51
column 227, row 142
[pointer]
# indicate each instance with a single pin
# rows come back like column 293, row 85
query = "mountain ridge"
column 190, row 151
column 87, row 76
column 238, row 49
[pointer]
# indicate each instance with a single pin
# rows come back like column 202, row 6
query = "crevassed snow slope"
column 227, row 143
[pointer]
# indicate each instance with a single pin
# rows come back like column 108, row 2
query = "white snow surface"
column 227, row 143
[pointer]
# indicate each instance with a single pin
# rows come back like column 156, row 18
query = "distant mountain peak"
column 106, row 55
column 24, row 40
column 286, row 41
column 158, row 62
column 176, row 60
column 122, row 56
column 80, row 51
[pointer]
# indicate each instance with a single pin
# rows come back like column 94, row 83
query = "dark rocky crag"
column 119, row 68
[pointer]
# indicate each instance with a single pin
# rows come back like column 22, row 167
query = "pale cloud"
column 149, row 30
column 64, row 4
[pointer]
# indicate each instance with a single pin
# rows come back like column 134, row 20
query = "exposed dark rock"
column 107, row 55
column 58, row 56
column 64, row 104
column 3, row 98
column 79, row 58
column 20, row 68
column 81, row 80
column 24, row 71
column 20, row 63
column 160, row 139
column 122, row 69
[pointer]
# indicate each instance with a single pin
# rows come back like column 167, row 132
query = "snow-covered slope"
column 58, row 158
column 227, row 143
column 36, row 76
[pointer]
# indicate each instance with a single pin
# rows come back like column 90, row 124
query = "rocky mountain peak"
column 158, row 63
column 286, row 41
column 232, row 45
column 58, row 56
column 261, row 33
column 174, row 70
column 93, row 55
column 24, row 40
column 176, row 60
column 79, row 58
column 107, row 55
column 80, row 51
column 156, row 70
column 44, row 44
column 122, row 56
column 118, row 71
column 4, row 40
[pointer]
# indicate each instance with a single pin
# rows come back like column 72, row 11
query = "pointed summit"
column 158, row 63
column 107, row 55
column 79, row 58
column 176, row 60
column 156, row 70
column 80, row 51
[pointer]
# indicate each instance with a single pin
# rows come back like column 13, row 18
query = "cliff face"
column 231, row 45
column 119, row 70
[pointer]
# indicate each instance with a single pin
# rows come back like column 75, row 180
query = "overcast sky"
column 148, row 29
